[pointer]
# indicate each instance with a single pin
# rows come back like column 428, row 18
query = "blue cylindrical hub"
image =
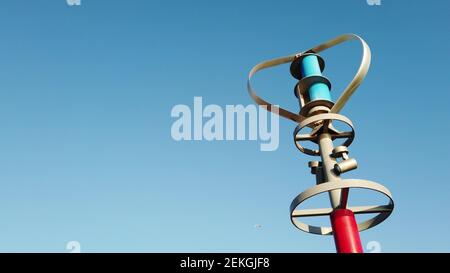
column 310, row 67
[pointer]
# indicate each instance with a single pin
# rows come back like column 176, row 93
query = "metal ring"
column 304, row 111
column 313, row 135
column 383, row 211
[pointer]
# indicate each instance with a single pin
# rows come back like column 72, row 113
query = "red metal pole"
column 345, row 231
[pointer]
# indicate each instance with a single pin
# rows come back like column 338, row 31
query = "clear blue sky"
column 85, row 100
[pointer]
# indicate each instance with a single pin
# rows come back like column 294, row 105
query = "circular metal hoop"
column 348, row 135
column 383, row 211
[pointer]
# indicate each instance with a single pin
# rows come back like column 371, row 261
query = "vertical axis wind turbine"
column 318, row 114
